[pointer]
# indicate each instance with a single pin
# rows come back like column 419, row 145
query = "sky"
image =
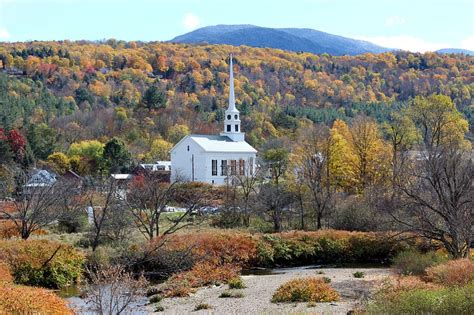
column 416, row 25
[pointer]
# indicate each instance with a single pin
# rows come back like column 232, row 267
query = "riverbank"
column 260, row 288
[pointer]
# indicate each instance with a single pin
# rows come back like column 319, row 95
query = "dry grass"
column 5, row 275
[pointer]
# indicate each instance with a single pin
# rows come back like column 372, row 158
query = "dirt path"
column 259, row 291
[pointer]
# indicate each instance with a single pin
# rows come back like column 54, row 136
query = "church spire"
column 232, row 115
column 231, row 90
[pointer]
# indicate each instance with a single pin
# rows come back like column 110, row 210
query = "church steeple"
column 232, row 119
column 231, row 87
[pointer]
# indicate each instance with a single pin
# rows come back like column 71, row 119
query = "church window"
column 188, row 147
column 236, row 117
column 228, row 117
column 233, row 167
column 228, row 128
column 236, row 128
column 223, row 167
column 241, row 167
column 214, row 167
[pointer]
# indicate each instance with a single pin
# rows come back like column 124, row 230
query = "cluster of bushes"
column 218, row 256
column 18, row 299
column 443, row 289
column 305, row 290
column 326, row 246
column 42, row 263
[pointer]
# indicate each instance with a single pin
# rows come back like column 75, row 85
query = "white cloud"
column 4, row 35
column 468, row 43
column 191, row 21
column 394, row 20
column 405, row 42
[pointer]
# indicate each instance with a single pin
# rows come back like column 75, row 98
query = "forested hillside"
column 54, row 94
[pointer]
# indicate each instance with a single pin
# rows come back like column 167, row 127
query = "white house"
column 214, row 158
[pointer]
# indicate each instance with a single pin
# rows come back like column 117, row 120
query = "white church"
column 214, row 159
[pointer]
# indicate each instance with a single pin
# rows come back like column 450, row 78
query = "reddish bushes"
column 218, row 258
column 305, row 290
column 217, row 247
column 453, row 273
column 202, row 274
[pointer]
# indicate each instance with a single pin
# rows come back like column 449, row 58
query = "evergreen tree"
column 116, row 156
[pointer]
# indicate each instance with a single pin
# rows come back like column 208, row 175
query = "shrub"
column 202, row 306
column 453, row 273
column 415, row 263
column 231, row 294
column 305, row 290
column 326, row 279
column 202, row 274
column 327, row 246
column 358, row 274
column 42, row 263
column 159, row 308
column 236, row 283
column 28, row 300
column 456, row 300
column 156, row 299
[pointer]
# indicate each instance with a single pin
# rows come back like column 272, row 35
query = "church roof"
column 214, row 143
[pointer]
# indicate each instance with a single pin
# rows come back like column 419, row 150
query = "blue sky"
column 417, row 25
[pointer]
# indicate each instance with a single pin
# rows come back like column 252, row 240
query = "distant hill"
column 292, row 39
column 455, row 51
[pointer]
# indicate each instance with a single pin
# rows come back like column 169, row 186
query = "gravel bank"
column 259, row 291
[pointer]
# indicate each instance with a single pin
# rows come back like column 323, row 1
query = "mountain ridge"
column 292, row 39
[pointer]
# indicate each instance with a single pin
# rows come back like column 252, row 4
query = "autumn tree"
column 59, row 162
column 439, row 201
column 159, row 150
column 371, row 153
column 36, row 203
column 438, row 185
column 274, row 201
column 314, row 167
column 244, row 185
column 105, row 202
column 402, row 135
column 148, row 196
column 276, row 162
column 438, row 120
